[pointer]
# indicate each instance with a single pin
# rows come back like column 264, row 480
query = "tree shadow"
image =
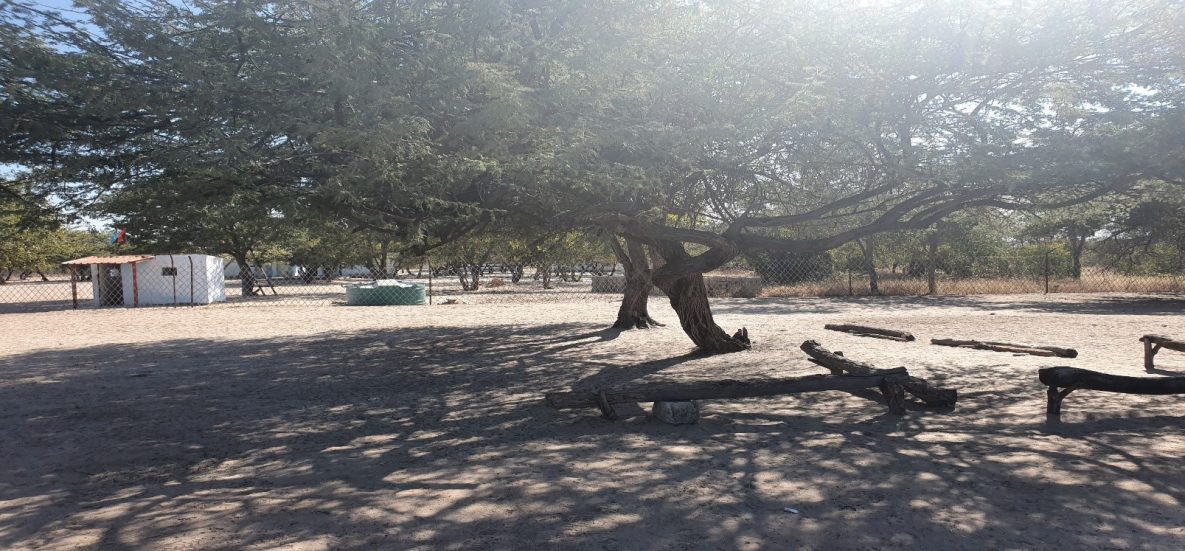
column 437, row 438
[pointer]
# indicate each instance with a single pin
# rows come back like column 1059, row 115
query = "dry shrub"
column 496, row 282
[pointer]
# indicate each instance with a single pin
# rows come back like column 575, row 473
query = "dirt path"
column 423, row 428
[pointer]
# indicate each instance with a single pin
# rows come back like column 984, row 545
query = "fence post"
column 850, row 282
column 429, row 281
column 1045, row 271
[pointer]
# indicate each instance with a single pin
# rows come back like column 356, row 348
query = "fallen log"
column 678, row 391
column 1064, row 380
column 1032, row 350
column 838, row 365
column 1153, row 344
column 835, row 362
column 866, row 331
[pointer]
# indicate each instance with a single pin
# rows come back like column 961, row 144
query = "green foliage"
column 39, row 244
column 785, row 126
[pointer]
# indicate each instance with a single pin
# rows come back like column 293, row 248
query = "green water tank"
column 385, row 292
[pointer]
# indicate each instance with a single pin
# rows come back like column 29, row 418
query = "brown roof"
column 125, row 259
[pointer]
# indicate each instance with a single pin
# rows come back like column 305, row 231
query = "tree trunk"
column 1077, row 244
column 246, row 276
column 382, row 271
column 634, row 312
column 867, row 248
column 681, row 277
column 475, row 271
column 931, row 264
column 689, row 297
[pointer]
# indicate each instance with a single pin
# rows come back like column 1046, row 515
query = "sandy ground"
column 423, row 428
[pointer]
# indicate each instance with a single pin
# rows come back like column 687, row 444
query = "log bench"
column 1064, row 380
column 1153, row 344
column 889, row 382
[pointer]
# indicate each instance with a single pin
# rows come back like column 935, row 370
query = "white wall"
column 199, row 280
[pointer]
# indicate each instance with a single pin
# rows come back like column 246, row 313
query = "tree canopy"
column 697, row 132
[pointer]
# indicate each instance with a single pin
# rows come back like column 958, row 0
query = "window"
column 169, row 271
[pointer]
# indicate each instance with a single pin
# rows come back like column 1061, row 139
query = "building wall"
column 198, row 280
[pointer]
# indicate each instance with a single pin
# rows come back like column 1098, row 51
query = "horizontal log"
column 1033, row 350
column 839, row 365
column 1064, row 380
column 722, row 389
column 867, row 331
column 1085, row 379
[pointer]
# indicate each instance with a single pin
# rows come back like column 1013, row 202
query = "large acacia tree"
column 798, row 127
column 694, row 132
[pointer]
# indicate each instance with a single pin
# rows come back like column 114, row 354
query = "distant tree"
column 1149, row 235
column 211, row 214
column 1075, row 226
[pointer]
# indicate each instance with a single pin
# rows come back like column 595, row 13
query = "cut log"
column 836, row 363
column 1032, row 350
column 932, row 396
column 1153, row 344
column 678, row 391
column 839, row 365
column 866, row 331
column 1064, row 380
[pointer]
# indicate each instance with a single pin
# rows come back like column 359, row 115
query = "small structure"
column 139, row 280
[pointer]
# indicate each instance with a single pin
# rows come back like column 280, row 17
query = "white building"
column 147, row 280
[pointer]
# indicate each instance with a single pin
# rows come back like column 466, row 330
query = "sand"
column 332, row 427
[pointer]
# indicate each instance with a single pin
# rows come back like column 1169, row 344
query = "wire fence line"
column 155, row 282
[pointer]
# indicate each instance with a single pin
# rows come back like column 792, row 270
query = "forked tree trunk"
column 689, row 298
column 634, row 312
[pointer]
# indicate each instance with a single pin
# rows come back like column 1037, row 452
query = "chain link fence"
column 184, row 280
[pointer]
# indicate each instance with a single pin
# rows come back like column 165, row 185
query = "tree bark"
column 681, row 277
column 634, row 311
column 246, row 276
column 867, row 247
column 689, row 297
column 932, row 264
column 1077, row 245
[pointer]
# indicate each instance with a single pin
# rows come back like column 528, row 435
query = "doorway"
column 110, row 285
